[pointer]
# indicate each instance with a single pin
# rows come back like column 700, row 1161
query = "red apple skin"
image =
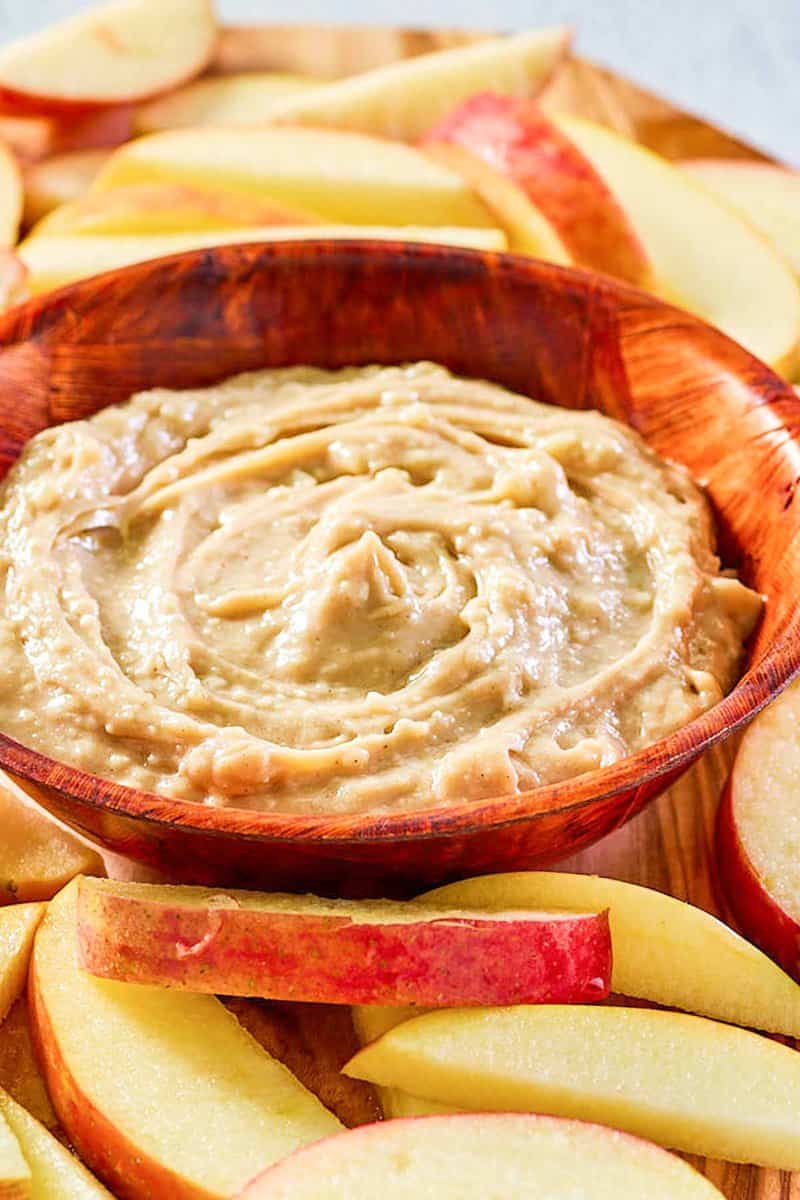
column 456, row 960
column 101, row 1146
column 761, row 918
column 517, row 139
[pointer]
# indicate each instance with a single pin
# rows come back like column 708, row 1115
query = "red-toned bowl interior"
column 561, row 336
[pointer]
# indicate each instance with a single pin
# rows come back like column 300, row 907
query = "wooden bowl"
column 562, row 336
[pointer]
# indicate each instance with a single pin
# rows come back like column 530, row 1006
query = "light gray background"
column 734, row 61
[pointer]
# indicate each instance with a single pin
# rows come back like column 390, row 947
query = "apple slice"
column 15, row 1174
column 18, row 924
column 11, row 197
column 148, row 208
column 161, row 1092
column 665, row 950
column 37, row 857
column 59, row 180
column 53, row 261
column 118, row 53
column 704, row 256
column 338, row 951
column 512, row 137
column 55, row 1173
column 348, row 177
column 19, row 1071
column 246, row 99
column 767, row 194
column 683, row 1081
column 402, row 100
column 516, row 1157
column 13, row 288
column 35, row 136
column 757, row 831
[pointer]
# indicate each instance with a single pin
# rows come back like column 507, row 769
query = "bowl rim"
column 778, row 666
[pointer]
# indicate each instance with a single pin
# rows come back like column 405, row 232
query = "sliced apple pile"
column 449, row 1158
column 514, row 139
column 152, row 208
column 404, row 99
column 15, row 1174
column 704, row 256
column 18, row 924
column 682, row 1081
column 768, row 195
column 757, row 831
column 55, row 1174
column 59, row 180
column 37, row 857
column 117, row 53
column 376, row 952
column 53, row 261
column 162, row 1092
column 247, row 99
column 347, row 177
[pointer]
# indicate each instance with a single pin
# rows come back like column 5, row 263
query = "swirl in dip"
column 373, row 589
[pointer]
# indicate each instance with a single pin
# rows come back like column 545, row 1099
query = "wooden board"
column 669, row 846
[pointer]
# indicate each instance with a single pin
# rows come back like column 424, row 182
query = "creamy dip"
column 373, row 589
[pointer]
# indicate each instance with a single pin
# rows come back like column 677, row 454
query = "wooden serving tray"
column 670, row 845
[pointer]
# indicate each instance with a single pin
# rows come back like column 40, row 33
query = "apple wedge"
column 705, row 257
column 512, row 137
column 11, row 197
column 152, row 208
column 117, row 53
column 767, row 194
column 402, row 100
column 338, row 951
column 18, row 924
column 15, row 1174
column 348, row 177
column 19, row 1071
column 665, row 951
column 757, row 831
column 35, row 136
column 161, row 1092
column 246, row 99
column 516, row 1157
column 55, row 1173
column 53, row 261
column 683, row 1081
column 13, row 288
column 59, row 180
column 37, row 857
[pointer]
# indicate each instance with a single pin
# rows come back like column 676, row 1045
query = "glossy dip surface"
column 367, row 590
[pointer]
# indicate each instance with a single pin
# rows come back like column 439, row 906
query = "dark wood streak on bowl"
column 562, row 336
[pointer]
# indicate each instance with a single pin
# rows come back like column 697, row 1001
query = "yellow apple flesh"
column 18, row 925
column 348, row 177
column 497, row 1157
column 767, row 194
column 402, row 100
column 20, row 1075
column 246, row 99
column 704, row 256
column 37, row 857
column 53, row 261
column 15, row 1174
column 55, row 1173
column 59, row 180
column 683, row 1081
column 153, row 208
column 119, row 52
column 161, row 1092
column 11, row 197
